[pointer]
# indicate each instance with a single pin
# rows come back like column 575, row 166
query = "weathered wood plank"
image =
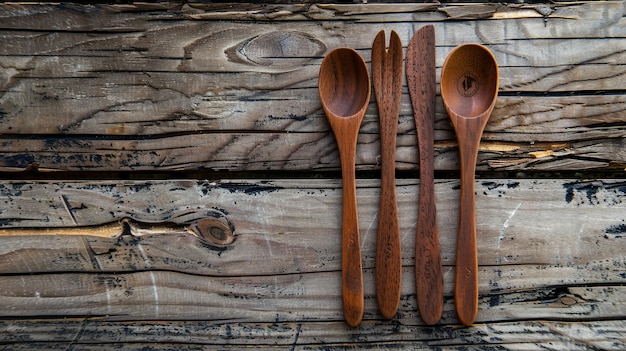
column 27, row 36
column 166, row 73
column 260, row 310
column 268, row 215
column 165, row 86
column 163, row 295
column 309, row 335
column 116, row 16
column 251, row 46
column 237, row 151
column 169, row 106
column 548, row 249
column 255, row 52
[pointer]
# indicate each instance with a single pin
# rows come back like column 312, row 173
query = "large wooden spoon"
column 422, row 82
column 387, row 78
column 469, row 87
column 344, row 88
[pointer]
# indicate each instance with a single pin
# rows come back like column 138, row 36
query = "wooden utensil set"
column 469, row 85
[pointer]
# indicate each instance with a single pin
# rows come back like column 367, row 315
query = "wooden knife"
column 421, row 81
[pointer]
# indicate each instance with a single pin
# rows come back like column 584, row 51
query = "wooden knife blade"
column 421, row 81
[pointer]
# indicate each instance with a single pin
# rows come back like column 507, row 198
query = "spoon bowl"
column 344, row 84
column 469, row 87
column 469, row 81
column 344, row 89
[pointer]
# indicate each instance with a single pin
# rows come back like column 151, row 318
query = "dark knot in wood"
column 279, row 49
column 214, row 231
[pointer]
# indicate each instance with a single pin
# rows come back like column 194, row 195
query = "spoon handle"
column 387, row 78
column 351, row 276
column 466, row 274
column 421, row 80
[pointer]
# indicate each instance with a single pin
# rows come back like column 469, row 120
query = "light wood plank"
column 163, row 295
column 548, row 249
column 268, row 215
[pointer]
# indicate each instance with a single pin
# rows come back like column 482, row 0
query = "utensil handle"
column 351, row 266
column 388, row 252
column 428, row 269
column 466, row 274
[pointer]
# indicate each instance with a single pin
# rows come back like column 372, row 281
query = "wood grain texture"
column 281, row 273
column 169, row 79
column 187, row 91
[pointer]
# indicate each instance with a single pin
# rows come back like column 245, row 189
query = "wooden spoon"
column 344, row 88
column 422, row 82
column 387, row 78
column 469, row 87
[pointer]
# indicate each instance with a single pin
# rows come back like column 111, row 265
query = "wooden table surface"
column 169, row 181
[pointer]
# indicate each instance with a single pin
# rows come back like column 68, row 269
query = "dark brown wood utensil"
column 469, row 87
column 421, row 80
column 387, row 78
column 344, row 89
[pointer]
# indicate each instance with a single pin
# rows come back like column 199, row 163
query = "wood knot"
column 214, row 231
column 278, row 49
column 567, row 300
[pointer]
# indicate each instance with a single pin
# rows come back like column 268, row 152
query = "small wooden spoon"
column 469, row 87
column 387, row 78
column 344, row 88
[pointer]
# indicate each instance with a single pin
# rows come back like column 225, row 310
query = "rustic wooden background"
column 168, row 179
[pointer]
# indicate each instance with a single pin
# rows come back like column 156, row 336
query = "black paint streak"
column 290, row 116
column 513, row 185
column 590, row 190
column 618, row 187
column 494, row 300
column 569, row 195
column 491, row 185
column 18, row 161
column 615, row 230
column 498, row 188
column 250, row 189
